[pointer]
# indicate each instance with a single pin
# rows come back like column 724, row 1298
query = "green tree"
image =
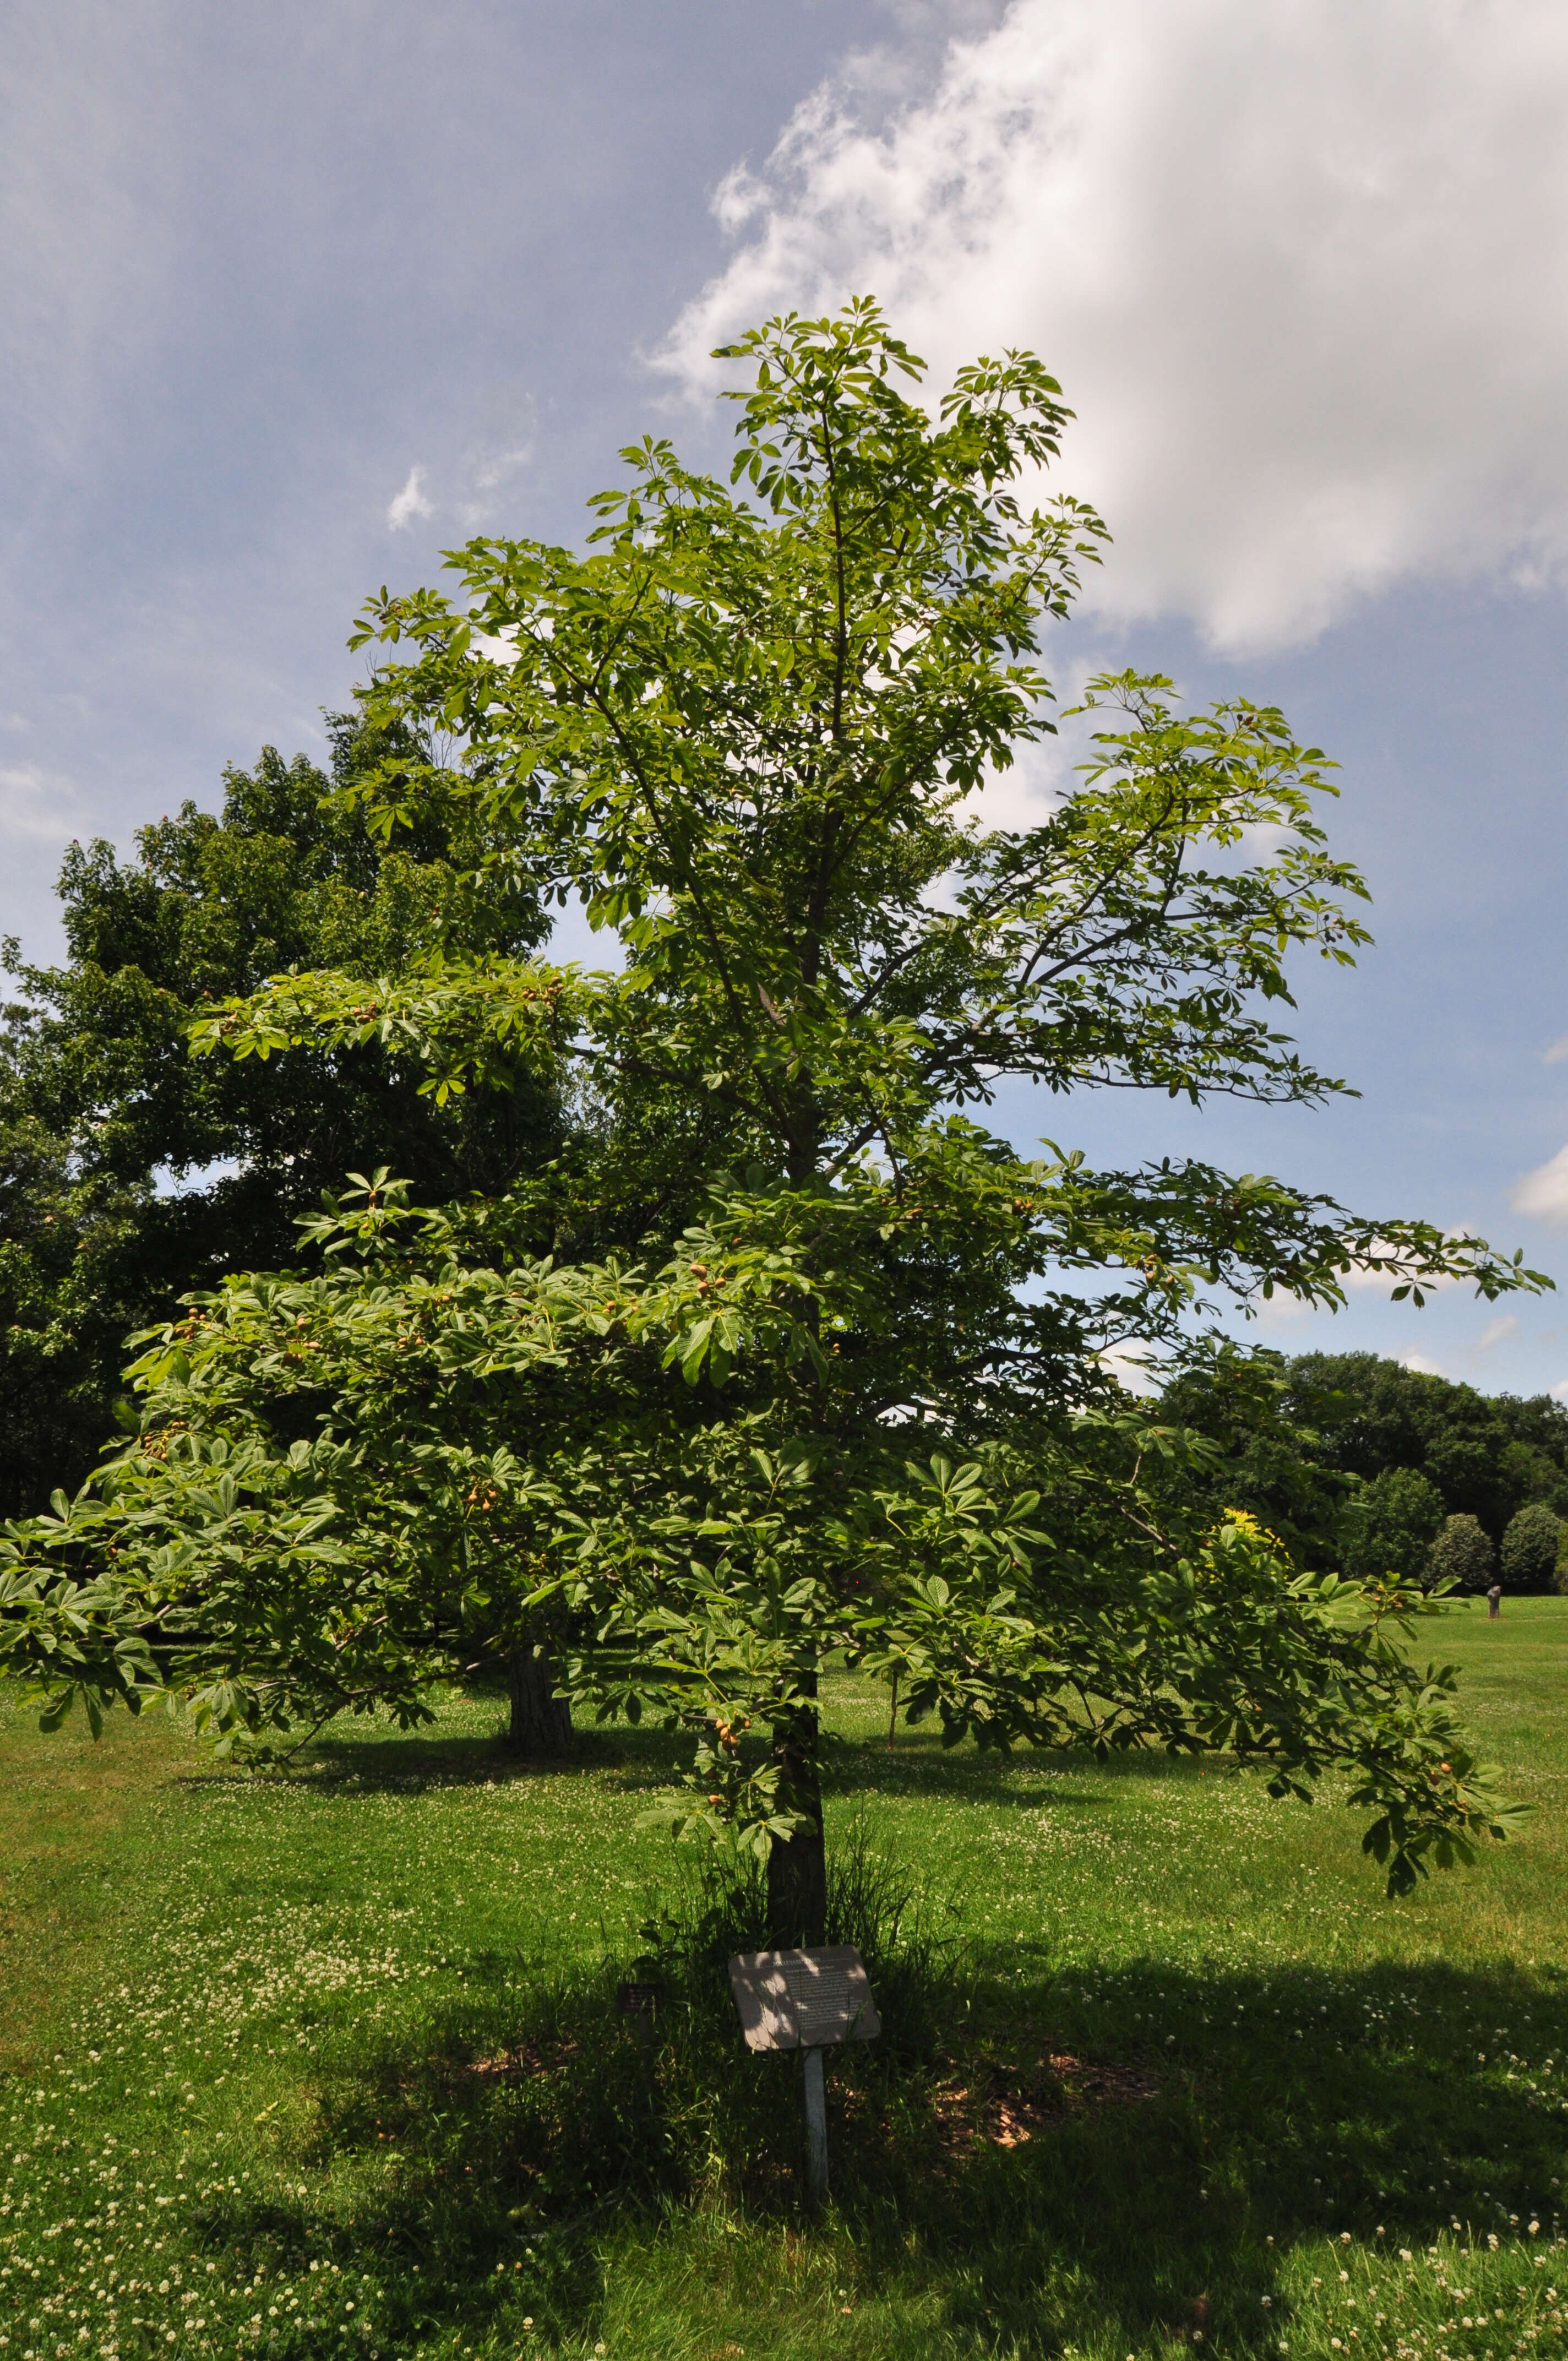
column 1264, row 1461
column 1363, row 1415
column 1529, row 1549
column 1462, row 1555
column 862, row 1405
column 1389, row 1525
column 130, row 1172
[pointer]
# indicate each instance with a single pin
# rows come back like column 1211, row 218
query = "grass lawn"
column 332, row 2066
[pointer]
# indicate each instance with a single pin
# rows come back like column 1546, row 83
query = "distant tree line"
column 1364, row 1465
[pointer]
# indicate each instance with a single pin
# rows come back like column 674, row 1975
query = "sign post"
column 806, row 2001
column 816, row 2126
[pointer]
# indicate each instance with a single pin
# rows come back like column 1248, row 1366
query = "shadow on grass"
column 1027, row 2160
column 405, row 1763
column 922, row 1766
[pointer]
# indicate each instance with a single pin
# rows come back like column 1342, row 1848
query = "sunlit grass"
column 331, row 2066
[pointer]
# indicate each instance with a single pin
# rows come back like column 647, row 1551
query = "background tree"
column 1262, row 1459
column 1389, row 1526
column 1297, row 1440
column 128, row 1172
column 863, row 1406
column 1528, row 1555
column 1487, row 1456
column 1462, row 1555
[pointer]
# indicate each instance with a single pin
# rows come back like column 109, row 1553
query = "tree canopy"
column 1486, row 1454
column 1462, row 1555
column 131, row 1171
column 816, row 1363
column 1315, row 1444
column 1389, row 1525
column 1530, row 1551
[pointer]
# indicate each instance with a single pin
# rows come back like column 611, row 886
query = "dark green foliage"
column 1529, row 1549
column 1462, row 1554
column 1322, row 1449
column 1487, row 1456
column 1344, row 1454
column 102, row 1106
column 1389, row 1526
column 1266, row 1462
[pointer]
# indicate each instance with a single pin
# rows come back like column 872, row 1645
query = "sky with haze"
column 294, row 298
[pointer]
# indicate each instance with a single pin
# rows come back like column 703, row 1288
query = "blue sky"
column 294, row 298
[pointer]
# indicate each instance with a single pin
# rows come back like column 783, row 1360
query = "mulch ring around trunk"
column 528, row 2060
column 1001, row 2103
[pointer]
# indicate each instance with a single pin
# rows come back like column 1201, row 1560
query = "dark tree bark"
column 541, row 1726
column 797, row 1871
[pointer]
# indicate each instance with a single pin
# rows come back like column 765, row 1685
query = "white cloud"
column 489, row 475
column 37, row 806
column 500, row 449
column 476, row 480
column 1558, row 1051
column 1544, row 1191
column 1559, row 1390
column 1293, row 264
column 1497, row 1330
column 1411, row 1359
column 1282, row 1311
column 410, row 502
column 1130, row 1368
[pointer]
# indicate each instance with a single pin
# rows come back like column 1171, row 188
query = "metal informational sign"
column 804, row 2000
column 809, row 2001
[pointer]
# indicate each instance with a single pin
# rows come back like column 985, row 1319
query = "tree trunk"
column 797, row 1871
column 541, row 1726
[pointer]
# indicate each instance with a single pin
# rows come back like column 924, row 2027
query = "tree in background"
column 1261, row 1458
column 1389, row 1526
column 1487, row 1456
column 102, row 1108
column 1299, row 1440
column 1530, row 1543
column 850, row 1392
column 1462, row 1556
